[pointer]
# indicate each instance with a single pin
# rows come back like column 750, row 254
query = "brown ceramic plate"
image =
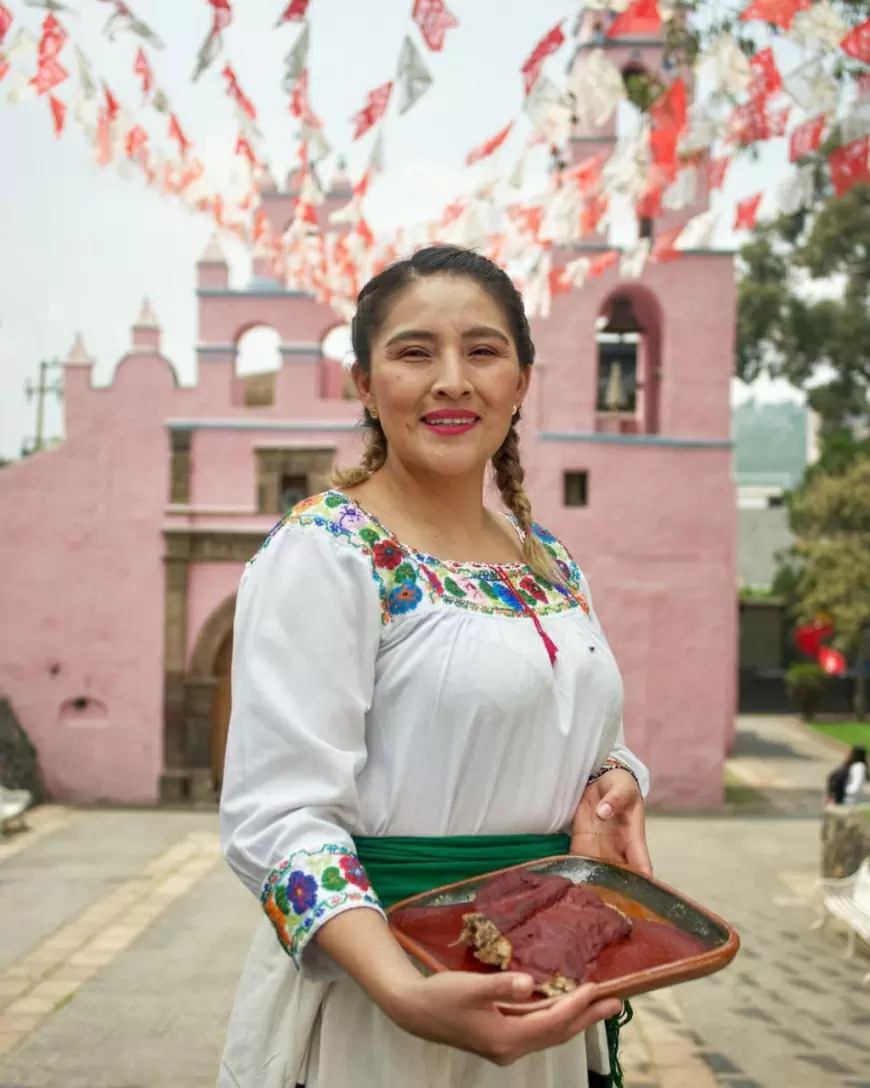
column 673, row 939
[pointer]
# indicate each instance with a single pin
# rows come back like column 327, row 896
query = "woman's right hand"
column 460, row 1009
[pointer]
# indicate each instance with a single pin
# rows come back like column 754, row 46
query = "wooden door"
column 220, row 709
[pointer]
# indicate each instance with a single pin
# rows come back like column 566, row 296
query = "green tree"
column 803, row 310
column 830, row 516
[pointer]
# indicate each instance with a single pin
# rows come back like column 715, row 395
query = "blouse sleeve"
column 305, row 641
column 615, row 753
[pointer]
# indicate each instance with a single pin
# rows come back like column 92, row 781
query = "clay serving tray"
column 673, row 939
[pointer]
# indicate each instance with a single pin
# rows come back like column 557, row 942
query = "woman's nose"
column 453, row 378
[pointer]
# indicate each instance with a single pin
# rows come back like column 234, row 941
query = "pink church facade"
column 122, row 548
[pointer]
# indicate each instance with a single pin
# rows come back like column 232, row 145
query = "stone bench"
column 849, row 900
column 13, row 805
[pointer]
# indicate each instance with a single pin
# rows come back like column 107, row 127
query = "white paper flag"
column 413, row 77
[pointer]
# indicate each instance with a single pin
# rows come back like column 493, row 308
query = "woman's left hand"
column 610, row 823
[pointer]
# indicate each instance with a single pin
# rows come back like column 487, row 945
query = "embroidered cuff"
column 613, row 764
column 307, row 889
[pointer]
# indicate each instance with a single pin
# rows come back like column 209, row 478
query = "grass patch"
column 850, row 733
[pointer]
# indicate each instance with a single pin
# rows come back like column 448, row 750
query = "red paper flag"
column 779, row 12
column 531, row 69
column 58, row 113
column 767, row 80
column 593, row 213
column 484, row 150
column 300, row 106
column 5, row 21
column 236, row 92
column 373, row 110
column 857, row 43
column 113, row 108
column 294, row 12
column 849, row 165
column 639, row 20
column 747, row 212
column 53, row 37
column 601, row 264
column 669, row 110
column 664, row 247
column 175, row 133
column 717, row 169
column 749, row 124
column 434, row 20
column 137, row 138
column 49, row 75
column 142, row 68
column 364, row 231
column 223, row 15
column 243, row 147
column 806, row 138
column 559, row 283
column 4, row 67
column 663, row 148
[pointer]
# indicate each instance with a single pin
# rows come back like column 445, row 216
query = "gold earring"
column 514, row 410
column 373, row 412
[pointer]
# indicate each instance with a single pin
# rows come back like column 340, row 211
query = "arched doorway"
column 221, row 707
column 208, row 702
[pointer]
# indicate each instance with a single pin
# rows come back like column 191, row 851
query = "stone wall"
column 845, row 839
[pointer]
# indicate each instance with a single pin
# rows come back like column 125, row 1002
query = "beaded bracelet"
column 611, row 764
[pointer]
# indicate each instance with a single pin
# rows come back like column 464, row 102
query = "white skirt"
column 286, row 1030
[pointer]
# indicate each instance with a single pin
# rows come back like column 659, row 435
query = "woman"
column 421, row 692
column 846, row 783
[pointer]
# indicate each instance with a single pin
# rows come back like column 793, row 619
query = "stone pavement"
column 122, row 936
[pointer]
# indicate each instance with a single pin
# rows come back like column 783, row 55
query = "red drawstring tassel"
column 551, row 647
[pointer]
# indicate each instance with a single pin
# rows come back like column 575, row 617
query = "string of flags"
column 665, row 165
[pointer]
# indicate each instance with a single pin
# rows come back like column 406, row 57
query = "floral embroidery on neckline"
column 405, row 577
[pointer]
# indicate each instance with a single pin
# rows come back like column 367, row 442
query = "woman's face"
column 445, row 378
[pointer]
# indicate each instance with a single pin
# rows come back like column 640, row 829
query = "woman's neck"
column 433, row 499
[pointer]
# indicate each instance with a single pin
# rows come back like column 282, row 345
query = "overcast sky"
column 81, row 246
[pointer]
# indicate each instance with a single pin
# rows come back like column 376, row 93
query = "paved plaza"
column 122, row 935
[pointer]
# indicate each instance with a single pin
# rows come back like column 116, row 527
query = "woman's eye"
column 483, row 349
column 413, row 353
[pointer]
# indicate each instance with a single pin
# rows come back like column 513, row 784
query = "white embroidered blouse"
column 379, row 691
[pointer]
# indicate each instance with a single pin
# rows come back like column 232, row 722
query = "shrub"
column 805, row 682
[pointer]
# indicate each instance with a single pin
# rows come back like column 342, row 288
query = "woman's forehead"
column 443, row 302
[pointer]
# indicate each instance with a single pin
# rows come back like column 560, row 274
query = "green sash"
column 402, row 867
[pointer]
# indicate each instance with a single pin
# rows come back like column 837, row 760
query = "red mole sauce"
column 651, row 943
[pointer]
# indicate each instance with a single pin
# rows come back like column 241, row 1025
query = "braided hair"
column 372, row 305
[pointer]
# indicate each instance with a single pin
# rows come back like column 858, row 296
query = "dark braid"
column 509, row 476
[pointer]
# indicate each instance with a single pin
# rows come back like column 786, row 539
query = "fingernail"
column 522, row 985
column 604, row 811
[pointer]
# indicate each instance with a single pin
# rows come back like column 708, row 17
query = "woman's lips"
column 451, row 423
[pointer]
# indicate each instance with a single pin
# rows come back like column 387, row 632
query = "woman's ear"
column 363, row 384
column 523, row 384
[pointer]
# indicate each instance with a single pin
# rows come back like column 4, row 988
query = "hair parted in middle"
column 373, row 304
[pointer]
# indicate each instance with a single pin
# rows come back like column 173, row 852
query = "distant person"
column 846, row 783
